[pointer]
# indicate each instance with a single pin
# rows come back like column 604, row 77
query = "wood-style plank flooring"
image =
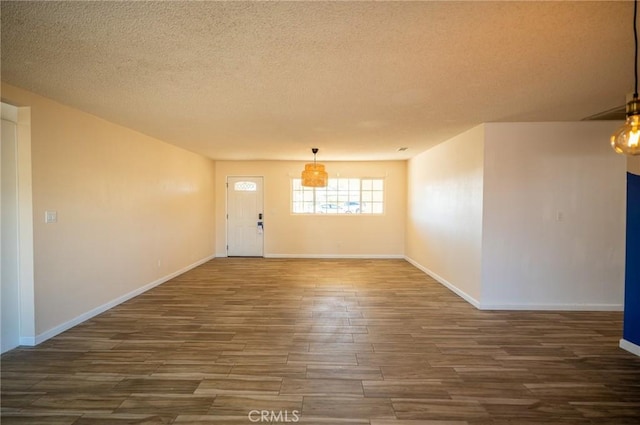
column 325, row 342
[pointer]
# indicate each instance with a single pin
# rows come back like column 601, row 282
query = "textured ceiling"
column 270, row 80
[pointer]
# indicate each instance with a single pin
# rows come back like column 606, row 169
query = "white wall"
column 554, row 214
column 444, row 212
column 132, row 211
column 289, row 235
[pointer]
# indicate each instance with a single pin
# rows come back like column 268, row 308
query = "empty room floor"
column 374, row 342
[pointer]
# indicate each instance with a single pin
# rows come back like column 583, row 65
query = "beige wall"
column 633, row 165
column 444, row 212
column 313, row 235
column 522, row 216
column 554, row 216
column 132, row 210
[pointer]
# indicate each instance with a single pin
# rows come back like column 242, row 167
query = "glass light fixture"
column 314, row 174
column 626, row 140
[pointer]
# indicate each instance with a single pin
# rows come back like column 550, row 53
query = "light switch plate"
column 51, row 216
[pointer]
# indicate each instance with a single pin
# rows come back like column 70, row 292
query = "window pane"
column 245, row 186
column 308, row 195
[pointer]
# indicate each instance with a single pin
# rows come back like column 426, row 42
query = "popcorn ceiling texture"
column 270, row 80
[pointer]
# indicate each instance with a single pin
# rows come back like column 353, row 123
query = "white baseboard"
column 554, row 307
column 630, row 347
column 28, row 341
column 339, row 256
column 543, row 307
column 468, row 298
column 104, row 307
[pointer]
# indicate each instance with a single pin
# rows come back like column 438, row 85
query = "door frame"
column 226, row 212
column 22, row 117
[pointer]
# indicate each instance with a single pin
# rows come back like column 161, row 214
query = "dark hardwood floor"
column 322, row 342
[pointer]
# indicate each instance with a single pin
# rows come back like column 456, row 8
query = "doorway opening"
column 16, row 230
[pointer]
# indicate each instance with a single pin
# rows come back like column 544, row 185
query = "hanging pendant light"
column 314, row 174
column 627, row 139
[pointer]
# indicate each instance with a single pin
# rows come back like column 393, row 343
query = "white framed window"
column 341, row 196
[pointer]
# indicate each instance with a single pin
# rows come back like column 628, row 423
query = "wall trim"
column 468, row 298
column 21, row 116
column 30, row 341
column 630, row 347
column 554, row 307
column 339, row 256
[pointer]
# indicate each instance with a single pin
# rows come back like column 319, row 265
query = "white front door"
column 10, row 266
column 245, row 217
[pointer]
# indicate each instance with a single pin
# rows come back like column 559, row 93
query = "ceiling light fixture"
column 627, row 139
column 314, row 174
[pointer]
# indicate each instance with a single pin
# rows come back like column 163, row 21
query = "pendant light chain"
column 635, row 37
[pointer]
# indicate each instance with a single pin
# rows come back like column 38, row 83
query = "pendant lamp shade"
column 314, row 174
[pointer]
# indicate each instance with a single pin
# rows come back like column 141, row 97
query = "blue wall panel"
column 632, row 271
